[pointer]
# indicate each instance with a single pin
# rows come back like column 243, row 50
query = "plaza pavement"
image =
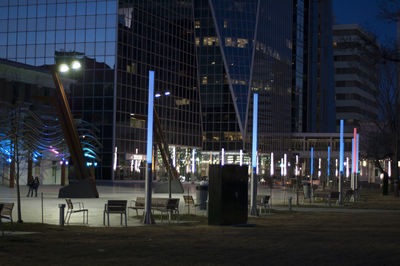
column 31, row 207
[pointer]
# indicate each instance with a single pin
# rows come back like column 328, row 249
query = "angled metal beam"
column 70, row 131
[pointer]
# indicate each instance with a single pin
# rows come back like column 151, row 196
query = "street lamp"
column 65, row 63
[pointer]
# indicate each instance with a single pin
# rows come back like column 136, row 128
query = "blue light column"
column 329, row 161
column 147, row 216
column 341, row 158
column 254, row 158
column 357, row 162
column 311, row 172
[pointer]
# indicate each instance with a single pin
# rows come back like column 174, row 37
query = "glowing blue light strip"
column 329, row 158
column 254, row 146
column 149, row 157
column 341, row 154
column 353, row 167
column 357, row 151
column 312, row 160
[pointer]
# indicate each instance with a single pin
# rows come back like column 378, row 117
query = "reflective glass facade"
column 244, row 46
column 119, row 41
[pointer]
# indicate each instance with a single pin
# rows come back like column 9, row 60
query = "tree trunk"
column 385, row 182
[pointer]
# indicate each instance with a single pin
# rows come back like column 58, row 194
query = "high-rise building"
column 244, row 47
column 120, row 41
column 356, row 75
column 313, row 97
column 210, row 56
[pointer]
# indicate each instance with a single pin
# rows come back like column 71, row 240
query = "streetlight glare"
column 63, row 68
column 167, row 93
column 157, row 95
column 76, row 65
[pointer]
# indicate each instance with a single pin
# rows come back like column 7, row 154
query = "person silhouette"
column 35, row 185
column 30, row 185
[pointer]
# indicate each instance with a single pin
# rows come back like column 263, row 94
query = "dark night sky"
column 364, row 12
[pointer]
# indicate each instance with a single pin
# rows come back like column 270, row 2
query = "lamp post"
column 147, row 215
column 254, row 211
column 67, row 122
column 341, row 157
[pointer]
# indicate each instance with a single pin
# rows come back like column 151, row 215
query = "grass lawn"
column 281, row 238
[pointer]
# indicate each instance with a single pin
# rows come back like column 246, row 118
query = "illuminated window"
column 242, row 43
column 197, row 40
column 225, row 24
column 204, row 80
column 197, row 24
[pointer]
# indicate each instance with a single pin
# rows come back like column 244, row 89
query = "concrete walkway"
column 32, row 211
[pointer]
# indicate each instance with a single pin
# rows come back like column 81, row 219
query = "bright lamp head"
column 63, row 68
column 76, row 65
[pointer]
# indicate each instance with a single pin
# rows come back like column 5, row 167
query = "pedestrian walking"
column 30, row 186
column 35, row 185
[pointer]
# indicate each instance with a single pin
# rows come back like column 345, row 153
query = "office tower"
column 356, row 75
column 119, row 42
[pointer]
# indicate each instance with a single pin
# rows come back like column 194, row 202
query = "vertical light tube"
column 389, row 168
column 296, row 172
column 147, row 215
column 357, row 152
column 193, row 160
column 347, row 166
column 223, row 156
column 329, row 159
column 353, row 156
column 174, row 156
column 272, row 170
column 254, row 211
column 149, row 157
column 336, row 171
column 319, row 167
column 115, row 158
column 241, row 157
column 341, row 152
column 312, row 161
column 285, row 164
column 255, row 120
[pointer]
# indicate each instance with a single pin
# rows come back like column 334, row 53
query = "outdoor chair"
column 262, row 202
column 189, row 202
column 114, row 206
column 71, row 210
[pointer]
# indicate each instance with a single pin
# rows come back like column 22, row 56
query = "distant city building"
column 356, row 76
column 244, row 47
column 119, row 41
column 210, row 56
column 313, row 91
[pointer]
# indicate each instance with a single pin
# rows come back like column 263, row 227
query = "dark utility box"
column 227, row 195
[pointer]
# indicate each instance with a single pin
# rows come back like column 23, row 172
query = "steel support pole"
column 254, row 211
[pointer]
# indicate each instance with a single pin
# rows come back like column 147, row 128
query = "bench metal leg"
column 126, row 222
column 108, row 219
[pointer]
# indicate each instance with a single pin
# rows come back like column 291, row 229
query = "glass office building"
column 244, row 47
column 119, row 41
column 313, row 101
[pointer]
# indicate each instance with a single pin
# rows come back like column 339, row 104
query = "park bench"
column 334, row 195
column 189, row 202
column 80, row 208
column 6, row 212
column 114, row 206
column 163, row 205
column 327, row 195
